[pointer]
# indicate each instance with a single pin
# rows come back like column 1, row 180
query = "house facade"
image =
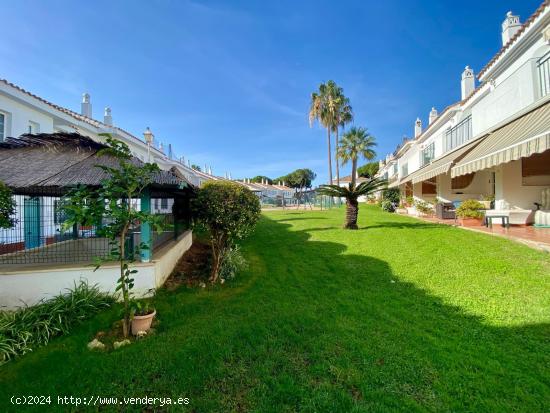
column 23, row 112
column 495, row 142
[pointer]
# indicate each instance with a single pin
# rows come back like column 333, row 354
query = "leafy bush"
column 470, row 209
column 423, row 207
column 7, row 207
column 387, row 206
column 232, row 263
column 23, row 330
column 391, row 194
column 229, row 212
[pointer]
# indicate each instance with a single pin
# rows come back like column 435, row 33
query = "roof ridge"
column 513, row 39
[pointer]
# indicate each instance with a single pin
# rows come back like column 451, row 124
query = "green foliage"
column 369, row 170
column 7, row 207
column 392, row 195
column 387, row 206
column 28, row 328
column 470, row 209
column 410, row 200
column 352, row 193
column 196, row 167
column 300, row 178
column 423, row 206
column 112, row 207
column 141, row 308
column 233, row 262
column 258, row 179
column 229, row 212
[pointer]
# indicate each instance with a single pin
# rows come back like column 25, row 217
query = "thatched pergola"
column 38, row 167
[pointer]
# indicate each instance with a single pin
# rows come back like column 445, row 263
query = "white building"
column 23, row 112
column 496, row 140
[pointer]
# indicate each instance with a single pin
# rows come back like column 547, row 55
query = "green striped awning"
column 443, row 164
column 520, row 138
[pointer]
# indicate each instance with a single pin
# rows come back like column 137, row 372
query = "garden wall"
column 28, row 285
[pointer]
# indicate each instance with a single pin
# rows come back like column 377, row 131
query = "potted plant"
column 487, row 201
column 424, row 208
column 142, row 316
column 469, row 213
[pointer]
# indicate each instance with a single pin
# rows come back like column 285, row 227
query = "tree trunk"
column 353, row 172
column 125, row 296
column 336, row 157
column 217, row 257
column 352, row 209
column 329, row 157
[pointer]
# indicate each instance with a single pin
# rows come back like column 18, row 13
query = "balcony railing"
column 458, row 135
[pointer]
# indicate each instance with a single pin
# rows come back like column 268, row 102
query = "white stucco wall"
column 510, row 190
column 31, row 285
column 19, row 115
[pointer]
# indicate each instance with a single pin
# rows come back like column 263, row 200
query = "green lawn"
column 397, row 316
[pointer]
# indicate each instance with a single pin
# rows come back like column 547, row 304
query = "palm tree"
column 344, row 115
column 319, row 111
column 357, row 142
column 352, row 194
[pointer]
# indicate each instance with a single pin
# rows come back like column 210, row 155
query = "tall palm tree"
column 352, row 194
column 324, row 107
column 318, row 111
column 356, row 143
column 344, row 115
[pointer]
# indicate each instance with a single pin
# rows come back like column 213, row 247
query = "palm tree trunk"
column 352, row 210
column 329, row 157
column 353, row 171
column 336, row 156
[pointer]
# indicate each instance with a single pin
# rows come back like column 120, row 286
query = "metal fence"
column 40, row 234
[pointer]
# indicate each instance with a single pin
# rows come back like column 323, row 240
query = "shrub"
column 232, row 263
column 25, row 329
column 423, row 207
column 387, row 206
column 470, row 209
column 229, row 212
column 391, row 194
column 7, row 207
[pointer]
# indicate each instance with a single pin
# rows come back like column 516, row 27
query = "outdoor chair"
column 445, row 210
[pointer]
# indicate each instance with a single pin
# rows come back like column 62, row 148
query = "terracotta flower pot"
column 470, row 222
column 142, row 322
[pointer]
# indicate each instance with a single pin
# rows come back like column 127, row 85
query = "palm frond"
column 353, row 193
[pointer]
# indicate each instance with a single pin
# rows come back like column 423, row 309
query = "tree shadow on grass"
column 306, row 328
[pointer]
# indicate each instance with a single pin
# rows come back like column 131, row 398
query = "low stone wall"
column 28, row 285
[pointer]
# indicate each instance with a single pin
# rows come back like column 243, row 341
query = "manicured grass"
column 397, row 316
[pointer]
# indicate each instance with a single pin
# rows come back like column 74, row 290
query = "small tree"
column 113, row 209
column 7, row 207
column 229, row 212
column 258, row 179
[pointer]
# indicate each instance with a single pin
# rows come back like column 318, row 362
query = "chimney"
column 86, row 106
column 417, row 128
column 433, row 116
column 108, row 117
column 510, row 27
column 468, row 82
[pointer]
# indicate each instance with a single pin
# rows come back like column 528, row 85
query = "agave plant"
column 352, row 193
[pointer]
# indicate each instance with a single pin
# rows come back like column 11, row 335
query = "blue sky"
column 227, row 83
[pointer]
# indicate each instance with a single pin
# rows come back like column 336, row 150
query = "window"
column 156, row 204
column 2, row 127
column 428, row 154
column 33, row 127
column 404, row 170
column 164, row 203
column 458, row 135
column 544, row 74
